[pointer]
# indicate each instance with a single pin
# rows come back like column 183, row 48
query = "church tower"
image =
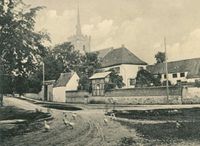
column 80, row 41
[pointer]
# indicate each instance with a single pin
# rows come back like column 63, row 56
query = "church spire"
column 78, row 25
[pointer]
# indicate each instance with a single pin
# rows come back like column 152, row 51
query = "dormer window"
column 182, row 74
column 174, row 75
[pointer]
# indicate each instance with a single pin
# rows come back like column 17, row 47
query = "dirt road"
column 89, row 130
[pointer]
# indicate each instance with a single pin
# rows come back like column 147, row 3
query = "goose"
column 74, row 115
column 68, row 123
column 113, row 117
column 46, row 126
column 105, row 121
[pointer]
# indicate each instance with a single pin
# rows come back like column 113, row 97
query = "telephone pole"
column 1, row 82
column 166, row 69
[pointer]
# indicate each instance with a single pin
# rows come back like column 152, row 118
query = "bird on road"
column 105, row 121
column 113, row 117
column 68, row 123
column 74, row 115
column 46, row 126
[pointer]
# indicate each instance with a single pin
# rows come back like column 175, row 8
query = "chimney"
column 123, row 46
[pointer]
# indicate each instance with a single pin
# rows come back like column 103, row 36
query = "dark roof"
column 192, row 66
column 102, row 53
column 121, row 56
column 63, row 79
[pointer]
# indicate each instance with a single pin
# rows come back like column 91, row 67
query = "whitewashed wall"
column 127, row 71
column 59, row 92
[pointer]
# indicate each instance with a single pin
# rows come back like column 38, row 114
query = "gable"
column 74, row 79
column 63, row 79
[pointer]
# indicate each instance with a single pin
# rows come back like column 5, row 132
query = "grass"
column 165, row 132
column 161, row 114
column 127, row 141
column 7, row 131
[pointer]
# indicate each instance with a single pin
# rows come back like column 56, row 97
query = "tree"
column 115, row 81
column 90, row 63
column 21, row 48
column 160, row 57
column 66, row 53
column 53, row 68
column 146, row 79
column 84, row 65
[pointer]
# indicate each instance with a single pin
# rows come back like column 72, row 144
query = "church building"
column 80, row 41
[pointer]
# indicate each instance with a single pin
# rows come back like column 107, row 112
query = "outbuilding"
column 66, row 82
column 98, row 83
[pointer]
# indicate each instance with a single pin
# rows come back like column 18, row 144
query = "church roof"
column 121, row 56
column 63, row 79
column 192, row 66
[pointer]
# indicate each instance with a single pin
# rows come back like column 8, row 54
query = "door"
column 45, row 92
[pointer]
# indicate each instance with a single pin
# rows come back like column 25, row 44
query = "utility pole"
column 43, row 73
column 43, row 80
column 166, row 69
column 1, row 83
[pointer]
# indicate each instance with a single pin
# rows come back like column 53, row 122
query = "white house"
column 66, row 82
column 125, row 63
column 185, row 71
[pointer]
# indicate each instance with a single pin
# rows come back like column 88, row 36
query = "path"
column 89, row 129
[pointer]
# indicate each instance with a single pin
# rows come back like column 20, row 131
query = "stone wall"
column 191, row 95
column 77, row 96
column 137, row 100
column 150, row 91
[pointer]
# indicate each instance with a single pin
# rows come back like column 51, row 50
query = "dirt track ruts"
column 89, row 129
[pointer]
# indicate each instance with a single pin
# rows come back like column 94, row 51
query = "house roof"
column 121, row 56
column 63, row 79
column 100, row 75
column 192, row 66
column 102, row 53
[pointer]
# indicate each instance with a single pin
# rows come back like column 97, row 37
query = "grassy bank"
column 7, row 131
column 176, row 125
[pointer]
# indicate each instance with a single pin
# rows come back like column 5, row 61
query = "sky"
column 140, row 25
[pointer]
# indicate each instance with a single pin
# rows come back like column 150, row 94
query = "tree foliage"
column 115, row 81
column 67, row 54
column 90, row 63
column 146, row 79
column 53, row 67
column 21, row 48
column 160, row 57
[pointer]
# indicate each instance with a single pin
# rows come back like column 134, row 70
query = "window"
column 165, row 76
column 132, row 82
column 182, row 74
column 174, row 75
column 178, row 82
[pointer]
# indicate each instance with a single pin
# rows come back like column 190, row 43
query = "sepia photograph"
column 99, row 73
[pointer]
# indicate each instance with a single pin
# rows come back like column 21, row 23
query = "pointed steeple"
column 78, row 25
